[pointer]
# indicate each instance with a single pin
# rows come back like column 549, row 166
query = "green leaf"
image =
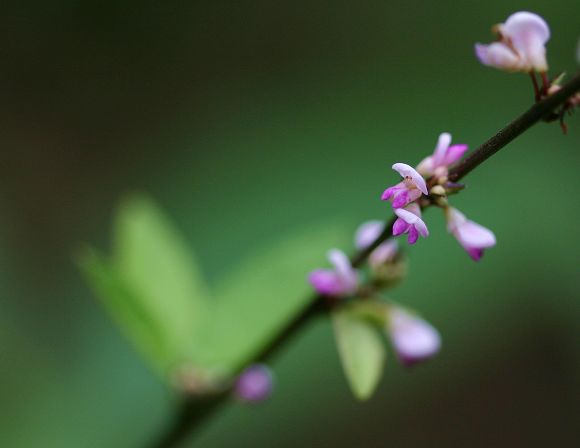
column 265, row 291
column 133, row 319
column 154, row 261
column 361, row 350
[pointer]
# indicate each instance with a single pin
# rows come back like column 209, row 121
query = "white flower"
column 521, row 46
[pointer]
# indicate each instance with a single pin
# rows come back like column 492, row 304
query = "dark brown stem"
column 194, row 411
column 537, row 95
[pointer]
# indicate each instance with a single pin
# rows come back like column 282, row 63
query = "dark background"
column 247, row 120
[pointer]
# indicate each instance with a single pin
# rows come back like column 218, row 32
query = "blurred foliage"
column 155, row 292
column 247, row 121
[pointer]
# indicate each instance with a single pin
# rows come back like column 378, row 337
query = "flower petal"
column 413, row 338
column 454, row 153
column 400, row 226
column 407, row 171
column 344, row 269
column 441, row 149
column 528, row 33
column 367, row 233
column 498, row 55
column 384, row 253
column 326, row 282
column 413, row 235
column 474, row 235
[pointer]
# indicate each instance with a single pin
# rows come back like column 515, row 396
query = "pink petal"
column 454, row 153
column 367, row 233
column 400, row 227
column 413, row 235
column 475, row 254
column 389, row 192
column 413, row 338
column 402, row 198
column 407, row 171
column 326, row 282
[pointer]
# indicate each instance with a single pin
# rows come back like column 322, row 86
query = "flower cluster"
column 405, row 198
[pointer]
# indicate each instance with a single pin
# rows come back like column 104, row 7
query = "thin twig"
column 195, row 410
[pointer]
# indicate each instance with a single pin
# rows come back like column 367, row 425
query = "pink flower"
column 340, row 281
column 410, row 222
column 521, row 46
column 366, row 234
column 413, row 338
column 473, row 237
column 410, row 189
column 443, row 157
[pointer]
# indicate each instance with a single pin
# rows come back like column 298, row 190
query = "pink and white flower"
column 473, row 237
column 366, row 234
column 338, row 282
column 413, row 338
column 409, row 221
column 443, row 157
column 521, row 46
column 407, row 191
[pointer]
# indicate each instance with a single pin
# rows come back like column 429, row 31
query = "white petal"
column 473, row 235
column 521, row 25
column 413, row 337
column 528, row 33
column 367, row 233
column 407, row 216
column 408, row 171
column 498, row 55
column 454, row 218
column 441, row 148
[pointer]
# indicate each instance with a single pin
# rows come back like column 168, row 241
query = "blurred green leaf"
column 361, row 350
column 154, row 261
column 266, row 290
column 125, row 308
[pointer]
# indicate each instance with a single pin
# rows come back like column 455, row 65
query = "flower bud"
column 254, row 384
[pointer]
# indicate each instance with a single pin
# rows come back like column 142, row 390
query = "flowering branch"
column 196, row 409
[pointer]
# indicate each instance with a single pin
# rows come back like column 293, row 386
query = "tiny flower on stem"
column 407, row 191
column 254, row 384
column 413, row 338
column 338, row 282
column 366, row 234
column 443, row 157
column 473, row 237
column 521, row 45
column 410, row 222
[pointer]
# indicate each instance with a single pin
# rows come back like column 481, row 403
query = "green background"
column 247, row 121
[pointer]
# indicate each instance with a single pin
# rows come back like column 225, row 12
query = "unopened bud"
column 254, row 384
column 438, row 190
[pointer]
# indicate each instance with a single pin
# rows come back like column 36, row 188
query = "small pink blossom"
column 443, row 157
column 366, row 234
column 254, row 384
column 410, row 222
column 521, row 46
column 473, row 237
column 338, row 282
column 407, row 191
column 413, row 338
